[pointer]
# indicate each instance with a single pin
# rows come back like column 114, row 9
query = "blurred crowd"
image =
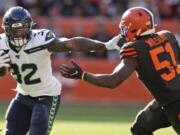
column 86, row 8
column 162, row 9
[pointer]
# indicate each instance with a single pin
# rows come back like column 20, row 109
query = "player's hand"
column 116, row 42
column 73, row 72
column 4, row 59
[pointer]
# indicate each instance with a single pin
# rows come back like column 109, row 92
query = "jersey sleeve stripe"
column 131, row 53
column 127, row 50
column 128, row 56
column 128, row 53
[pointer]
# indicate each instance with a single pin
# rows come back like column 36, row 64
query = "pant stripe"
column 52, row 113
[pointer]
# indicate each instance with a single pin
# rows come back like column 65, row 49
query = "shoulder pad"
column 168, row 34
column 128, row 51
column 42, row 36
column 3, row 41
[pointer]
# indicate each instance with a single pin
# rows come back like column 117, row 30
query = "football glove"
column 4, row 59
column 73, row 72
column 116, row 42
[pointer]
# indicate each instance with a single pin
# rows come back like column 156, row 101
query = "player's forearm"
column 102, row 80
column 76, row 44
column 85, row 44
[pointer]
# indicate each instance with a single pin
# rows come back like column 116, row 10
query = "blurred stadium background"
column 86, row 109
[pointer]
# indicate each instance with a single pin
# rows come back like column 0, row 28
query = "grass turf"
column 92, row 120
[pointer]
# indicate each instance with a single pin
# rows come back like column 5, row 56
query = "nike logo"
column 76, row 72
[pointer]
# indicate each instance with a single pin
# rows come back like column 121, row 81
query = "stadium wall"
column 75, row 91
column 89, row 26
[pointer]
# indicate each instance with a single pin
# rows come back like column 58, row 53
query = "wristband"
column 83, row 75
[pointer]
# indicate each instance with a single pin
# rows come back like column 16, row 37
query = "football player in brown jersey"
column 154, row 56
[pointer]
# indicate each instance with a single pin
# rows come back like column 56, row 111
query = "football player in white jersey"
column 38, row 92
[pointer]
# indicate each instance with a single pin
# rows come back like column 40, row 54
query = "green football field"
column 92, row 120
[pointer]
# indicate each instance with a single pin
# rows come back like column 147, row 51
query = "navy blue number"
column 33, row 69
column 28, row 77
column 16, row 72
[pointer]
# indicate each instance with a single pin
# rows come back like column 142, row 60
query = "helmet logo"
column 17, row 25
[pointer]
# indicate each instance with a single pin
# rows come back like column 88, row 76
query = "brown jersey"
column 157, row 57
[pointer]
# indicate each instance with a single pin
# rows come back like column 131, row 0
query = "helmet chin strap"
column 148, row 32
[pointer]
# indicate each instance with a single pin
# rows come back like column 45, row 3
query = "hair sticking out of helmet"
column 17, row 24
column 137, row 22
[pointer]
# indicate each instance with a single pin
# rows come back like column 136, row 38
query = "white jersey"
column 31, row 66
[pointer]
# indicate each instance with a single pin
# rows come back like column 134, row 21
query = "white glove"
column 115, row 43
column 4, row 59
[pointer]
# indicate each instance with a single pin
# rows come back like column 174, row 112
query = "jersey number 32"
column 27, row 78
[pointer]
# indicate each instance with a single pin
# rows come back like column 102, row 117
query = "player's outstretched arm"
column 85, row 44
column 120, row 73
